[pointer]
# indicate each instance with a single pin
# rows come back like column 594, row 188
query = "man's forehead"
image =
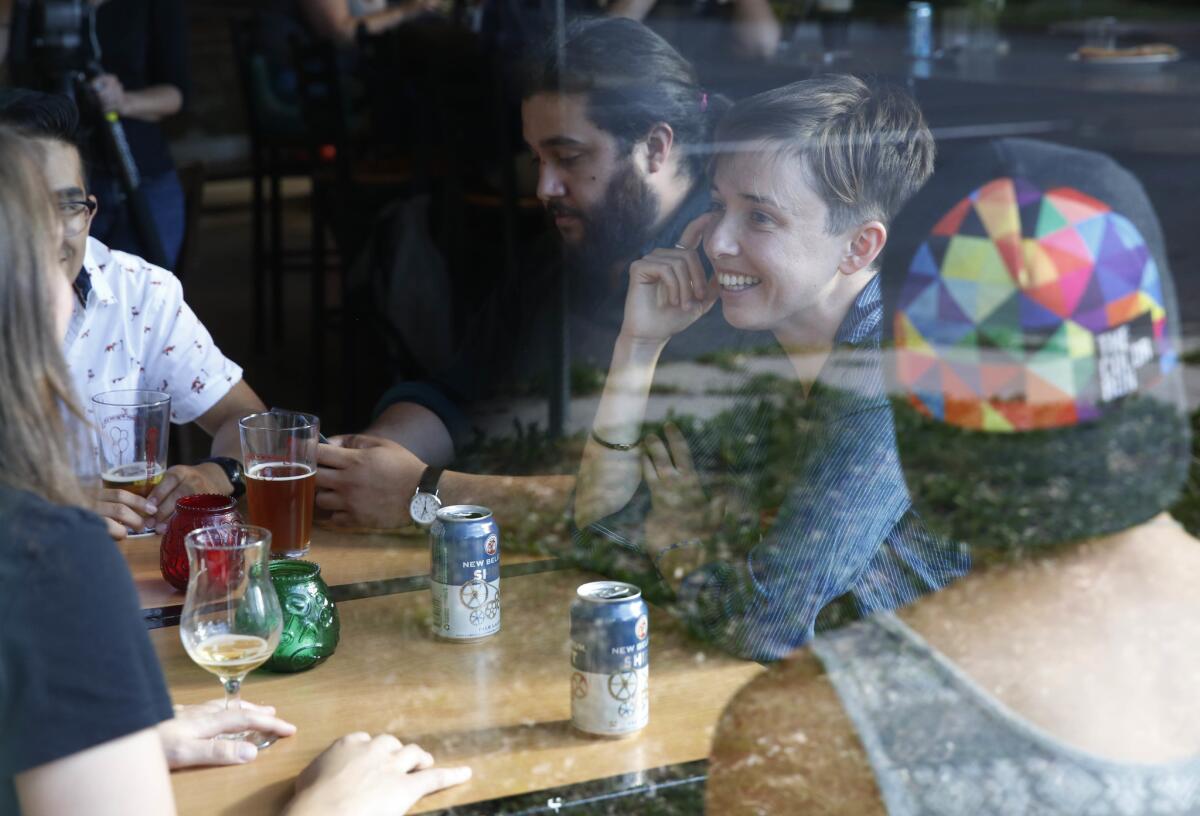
column 64, row 169
column 551, row 119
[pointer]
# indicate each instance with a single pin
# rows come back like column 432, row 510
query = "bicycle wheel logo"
column 623, row 685
column 473, row 593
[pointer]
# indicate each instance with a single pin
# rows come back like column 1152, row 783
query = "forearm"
column 343, row 28
column 756, row 30
column 152, row 104
column 227, row 441
column 633, row 9
column 530, row 508
column 381, row 21
column 608, row 478
column 416, row 428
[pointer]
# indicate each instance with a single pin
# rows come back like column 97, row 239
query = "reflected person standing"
column 1056, row 677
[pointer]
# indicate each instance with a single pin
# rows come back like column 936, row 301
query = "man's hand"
column 122, row 511
column 667, row 289
column 369, row 777
column 365, row 481
column 111, row 92
column 680, row 510
column 193, row 737
column 186, row 480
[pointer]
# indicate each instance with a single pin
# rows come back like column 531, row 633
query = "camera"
column 53, row 48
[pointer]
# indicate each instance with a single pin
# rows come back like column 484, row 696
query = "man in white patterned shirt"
column 131, row 328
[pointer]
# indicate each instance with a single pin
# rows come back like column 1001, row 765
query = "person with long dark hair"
column 86, row 723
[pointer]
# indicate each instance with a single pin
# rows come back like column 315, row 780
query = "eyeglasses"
column 75, row 216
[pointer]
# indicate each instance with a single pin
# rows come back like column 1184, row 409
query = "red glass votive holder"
column 191, row 513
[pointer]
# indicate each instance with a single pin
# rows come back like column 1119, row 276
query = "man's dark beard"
column 614, row 231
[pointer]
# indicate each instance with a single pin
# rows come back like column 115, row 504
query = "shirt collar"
column 96, row 259
column 862, row 323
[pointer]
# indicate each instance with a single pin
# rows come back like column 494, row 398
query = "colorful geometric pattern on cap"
column 1026, row 309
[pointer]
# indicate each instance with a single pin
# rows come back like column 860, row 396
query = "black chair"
column 279, row 147
column 352, row 179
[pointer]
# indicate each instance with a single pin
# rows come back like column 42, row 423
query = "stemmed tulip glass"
column 231, row 619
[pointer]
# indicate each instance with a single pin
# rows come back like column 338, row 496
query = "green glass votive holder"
column 310, row 619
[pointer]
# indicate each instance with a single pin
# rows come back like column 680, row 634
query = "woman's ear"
column 866, row 243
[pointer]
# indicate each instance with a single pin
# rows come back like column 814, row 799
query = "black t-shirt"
column 143, row 42
column 76, row 667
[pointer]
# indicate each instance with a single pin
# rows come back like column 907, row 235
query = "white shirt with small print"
column 136, row 331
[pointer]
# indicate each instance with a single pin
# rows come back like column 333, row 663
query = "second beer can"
column 464, row 576
column 610, row 659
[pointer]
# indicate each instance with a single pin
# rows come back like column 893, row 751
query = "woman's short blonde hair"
column 37, row 396
column 866, row 150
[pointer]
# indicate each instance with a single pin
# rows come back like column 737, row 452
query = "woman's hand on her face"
column 667, row 289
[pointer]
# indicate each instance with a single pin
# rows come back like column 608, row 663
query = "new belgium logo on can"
column 464, row 580
column 610, row 659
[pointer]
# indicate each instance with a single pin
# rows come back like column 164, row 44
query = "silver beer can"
column 464, row 576
column 610, row 659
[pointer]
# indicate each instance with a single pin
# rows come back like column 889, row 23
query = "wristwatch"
column 425, row 502
column 233, row 472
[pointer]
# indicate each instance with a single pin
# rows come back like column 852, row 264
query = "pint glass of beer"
column 279, row 449
column 132, row 427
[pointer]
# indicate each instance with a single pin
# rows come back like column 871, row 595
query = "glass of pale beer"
column 231, row 620
column 279, row 450
column 132, row 426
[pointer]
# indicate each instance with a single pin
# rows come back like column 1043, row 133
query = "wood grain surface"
column 501, row 706
column 345, row 558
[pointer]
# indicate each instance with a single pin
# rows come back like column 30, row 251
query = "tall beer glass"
column 279, row 449
column 133, row 427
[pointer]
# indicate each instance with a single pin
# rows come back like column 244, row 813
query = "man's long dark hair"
column 633, row 79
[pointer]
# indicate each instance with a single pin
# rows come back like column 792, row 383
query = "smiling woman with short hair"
column 805, row 180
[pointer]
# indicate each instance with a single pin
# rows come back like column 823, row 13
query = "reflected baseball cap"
column 1036, row 368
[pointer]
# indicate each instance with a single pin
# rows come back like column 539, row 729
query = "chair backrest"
column 324, row 101
column 265, row 76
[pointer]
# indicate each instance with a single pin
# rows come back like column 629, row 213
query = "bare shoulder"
column 784, row 744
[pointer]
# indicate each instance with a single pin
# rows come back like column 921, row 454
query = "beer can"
column 610, row 659
column 464, row 576
column 920, row 30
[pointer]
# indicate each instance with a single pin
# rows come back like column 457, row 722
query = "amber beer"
column 281, row 499
column 138, row 478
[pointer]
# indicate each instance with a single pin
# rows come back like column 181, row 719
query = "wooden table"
column 352, row 564
column 501, row 706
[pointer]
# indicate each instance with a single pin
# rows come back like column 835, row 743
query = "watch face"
column 424, row 507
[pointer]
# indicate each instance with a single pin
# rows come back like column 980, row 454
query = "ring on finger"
column 680, row 246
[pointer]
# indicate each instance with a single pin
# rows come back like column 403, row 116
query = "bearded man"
column 619, row 126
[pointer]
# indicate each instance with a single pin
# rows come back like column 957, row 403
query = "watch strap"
column 429, row 480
